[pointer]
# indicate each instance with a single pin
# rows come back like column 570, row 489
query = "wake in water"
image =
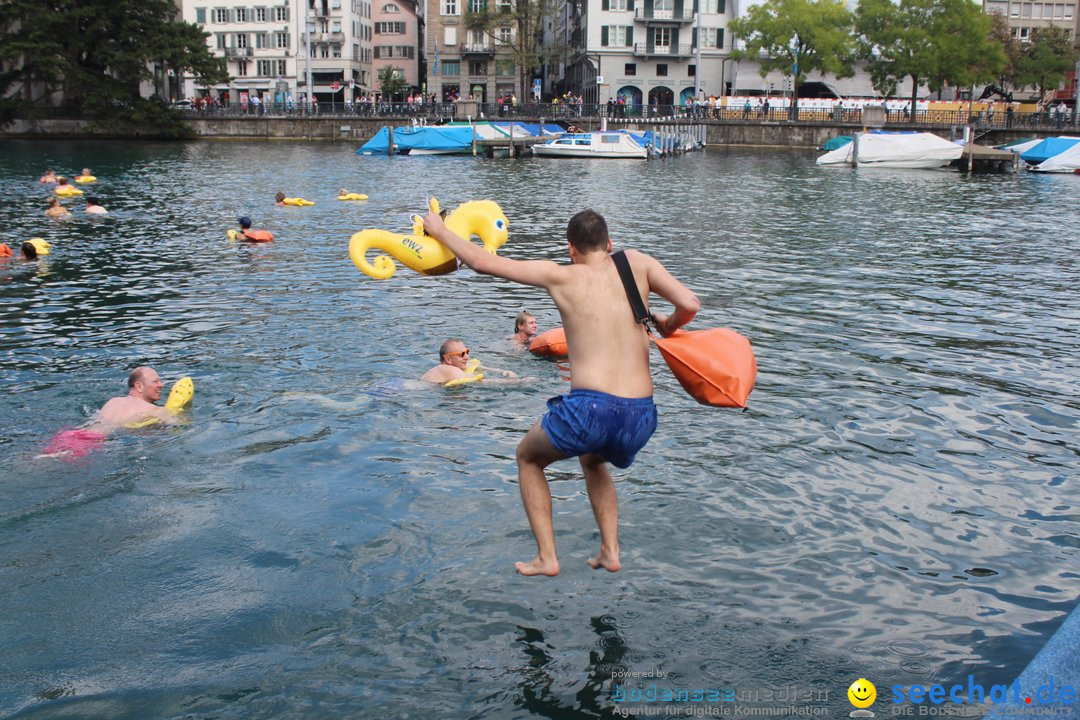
column 379, row 389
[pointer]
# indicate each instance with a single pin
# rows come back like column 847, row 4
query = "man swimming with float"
column 454, row 365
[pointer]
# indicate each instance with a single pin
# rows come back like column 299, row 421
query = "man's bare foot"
column 607, row 560
column 538, row 567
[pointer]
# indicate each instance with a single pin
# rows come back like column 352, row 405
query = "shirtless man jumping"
column 609, row 413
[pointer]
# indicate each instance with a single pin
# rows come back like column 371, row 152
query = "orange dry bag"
column 717, row 366
column 550, row 343
column 258, row 235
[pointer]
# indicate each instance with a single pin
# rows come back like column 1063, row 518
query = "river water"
column 898, row 503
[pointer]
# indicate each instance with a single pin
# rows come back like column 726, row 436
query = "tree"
column 391, row 82
column 938, row 42
column 517, row 28
column 797, row 37
column 1002, row 34
column 95, row 53
column 1045, row 58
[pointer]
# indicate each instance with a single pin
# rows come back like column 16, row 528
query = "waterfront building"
column 271, row 49
column 464, row 62
column 397, row 43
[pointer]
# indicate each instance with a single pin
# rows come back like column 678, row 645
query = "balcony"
column 238, row 52
column 649, row 15
column 477, row 49
column 682, row 50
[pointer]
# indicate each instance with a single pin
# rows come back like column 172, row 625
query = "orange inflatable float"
column 550, row 343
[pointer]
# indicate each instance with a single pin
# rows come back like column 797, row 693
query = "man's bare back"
column 128, row 410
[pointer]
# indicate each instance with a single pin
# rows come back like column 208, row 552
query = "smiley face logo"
column 862, row 693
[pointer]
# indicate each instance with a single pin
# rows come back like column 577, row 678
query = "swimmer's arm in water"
column 504, row 373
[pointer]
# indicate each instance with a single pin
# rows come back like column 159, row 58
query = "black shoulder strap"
column 632, row 293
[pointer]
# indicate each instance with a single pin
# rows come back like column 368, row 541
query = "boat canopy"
column 433, row 138
column 1048, row 148
column 1066, row 162
column 903, row 149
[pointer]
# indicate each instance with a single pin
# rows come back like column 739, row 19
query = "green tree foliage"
column 525, row 47
column 812, row 35
column 1045, row 58
column 939, row 42
column 94, row 54
column 391, row 83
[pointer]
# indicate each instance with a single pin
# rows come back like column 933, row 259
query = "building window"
column 281, row 40
column 200, row 15
column 506, row 6
column 260, row 14
column 450, row 36
column 449, row 7
column 478, row 38
column 452, row 68
column 390, row 8
column 241, row 68
column 261, row 40
column 264, row 67
column 661, row 37
column 281, row 14
column 390, row 28
column 478, row 67
column 335, row 5
column 630, row 69
column 617, row 5
column 324, row 51
column 336, row 27
column 241, row 40
column 221, row 15
column 505, row 68
column 335, row 50
column 241, row 15
column 504, row 36
column 661, row 70
column 715, row 7
column 221, row 41
column 691, row 70
column 477, row 6
column 356, row 51
column 712, row 38
column 280, row 67
column 616, row 35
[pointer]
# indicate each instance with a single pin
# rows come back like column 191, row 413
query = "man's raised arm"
column 541, row 273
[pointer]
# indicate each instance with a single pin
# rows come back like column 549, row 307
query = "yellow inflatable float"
column 85, row 179
column 346, row 195
column 183, row 390
column 41, row 245
column 67, row 190
column 298, row 202
column 423, row 253
column 471, row 375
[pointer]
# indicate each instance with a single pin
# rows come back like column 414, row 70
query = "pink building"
column 396, row 41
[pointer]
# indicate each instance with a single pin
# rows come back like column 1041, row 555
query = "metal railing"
column 574, row 112
column 649, row 49
column 684, row 15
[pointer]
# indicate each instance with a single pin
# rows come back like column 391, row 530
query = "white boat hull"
column 594, row 145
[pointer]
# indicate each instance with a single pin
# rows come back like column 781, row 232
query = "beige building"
column 1023, row 16
column 463, row 62
column 272, row 48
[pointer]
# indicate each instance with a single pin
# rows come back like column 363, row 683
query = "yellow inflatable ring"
column 41, row 245
column 85, row 179
column 471, row 375
column 352, row 196
column 67, row 190
column 183, row 390
column 423, row 253
column 298, row 202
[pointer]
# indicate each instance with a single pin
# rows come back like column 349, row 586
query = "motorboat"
column 599, row 144
column 921, row 150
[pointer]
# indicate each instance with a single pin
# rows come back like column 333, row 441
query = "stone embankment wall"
column 359, row 129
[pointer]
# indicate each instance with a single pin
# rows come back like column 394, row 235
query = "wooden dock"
column 983, row 159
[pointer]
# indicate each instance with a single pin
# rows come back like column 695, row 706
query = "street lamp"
column 793, row 111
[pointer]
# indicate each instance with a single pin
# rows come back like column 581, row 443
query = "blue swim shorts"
column 588, row 421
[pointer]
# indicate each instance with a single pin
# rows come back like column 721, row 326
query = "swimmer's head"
column 342, row 191
column 525, row 319
column 245, row 221
column 92, row 200
column 587, row 231
column 280, row 197
column 29, row 251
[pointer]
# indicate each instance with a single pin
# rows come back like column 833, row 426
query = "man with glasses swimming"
column 453, row 360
